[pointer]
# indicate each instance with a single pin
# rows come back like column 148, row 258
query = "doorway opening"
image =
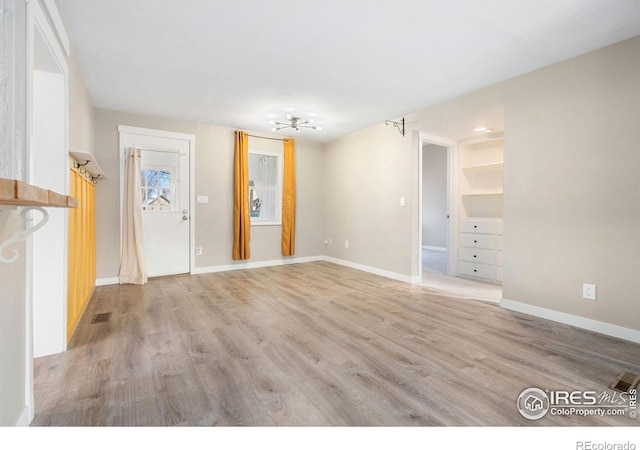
column 439, row 221
column 435, row 208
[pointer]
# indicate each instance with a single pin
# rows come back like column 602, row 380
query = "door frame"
column 44, row 38
column 126, row 129
column 452, row 183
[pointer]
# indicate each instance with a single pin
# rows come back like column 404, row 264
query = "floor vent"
column 625, row 381
column 101, row 317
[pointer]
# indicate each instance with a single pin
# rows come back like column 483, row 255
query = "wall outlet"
column 589, row 291
column 198, row 251
column 346, row 244
column 202, row 199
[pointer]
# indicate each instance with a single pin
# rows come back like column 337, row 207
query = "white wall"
column 434, row 196
column 49, row 171
column 14, row 312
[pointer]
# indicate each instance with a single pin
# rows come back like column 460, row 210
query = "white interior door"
column 166, row 197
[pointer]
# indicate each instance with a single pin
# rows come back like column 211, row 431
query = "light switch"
column 403, row 201
column 202, row 199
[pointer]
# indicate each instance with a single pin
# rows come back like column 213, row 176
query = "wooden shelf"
column 19, row 193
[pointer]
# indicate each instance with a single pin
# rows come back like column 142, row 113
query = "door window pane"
column 158, row 189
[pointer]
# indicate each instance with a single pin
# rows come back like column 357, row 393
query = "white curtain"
column 133, row 266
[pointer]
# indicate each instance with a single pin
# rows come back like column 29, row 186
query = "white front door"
column 166, row 197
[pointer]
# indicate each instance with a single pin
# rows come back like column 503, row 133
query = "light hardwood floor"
column 313, row 345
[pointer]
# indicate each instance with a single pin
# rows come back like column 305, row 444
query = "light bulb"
column 274, row 129
column 318, row 128
column 289, row 117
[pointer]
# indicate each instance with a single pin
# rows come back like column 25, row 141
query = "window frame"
column 173, row 174
column 278, row 188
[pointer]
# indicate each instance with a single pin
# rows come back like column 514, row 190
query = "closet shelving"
column 481, row 206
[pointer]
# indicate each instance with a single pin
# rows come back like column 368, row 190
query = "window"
column 158, row 188
column 265, row 188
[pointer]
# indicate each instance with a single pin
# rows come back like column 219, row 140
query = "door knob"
column 184, row 211
column 185, row 217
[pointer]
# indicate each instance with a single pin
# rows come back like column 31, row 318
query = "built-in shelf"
column 87, row 165
column 484, row 167
column 483, row 194
column 19, row 193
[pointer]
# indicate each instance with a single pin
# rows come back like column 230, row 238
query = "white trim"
column 452, row 195
column 373, row 270
column 254, row 264
column 191, row 139
column 107, row 281
column 279, row 188
column 596, row 326
column 23, row 419
column 434, row 249
column 57, row 24
column 155, row 133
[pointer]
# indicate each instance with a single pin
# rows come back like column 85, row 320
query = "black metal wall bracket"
column 398, row 125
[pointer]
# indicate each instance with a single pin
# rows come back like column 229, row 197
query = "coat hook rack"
column 398, row 125
column 77, row 164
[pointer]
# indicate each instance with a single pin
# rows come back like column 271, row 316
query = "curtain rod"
column 264, row 137
column 159, row 150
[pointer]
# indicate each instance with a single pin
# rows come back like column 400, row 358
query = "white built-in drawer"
column 499, row 258
column 477, row 226
column 499, row 227
column 477, row 270
column 477, row 241
column 499, row 274
column 478, row 255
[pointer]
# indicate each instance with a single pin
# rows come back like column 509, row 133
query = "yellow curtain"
column 241, row 219
column 289, row 199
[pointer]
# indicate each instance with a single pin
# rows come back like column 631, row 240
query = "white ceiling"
column 348, row 63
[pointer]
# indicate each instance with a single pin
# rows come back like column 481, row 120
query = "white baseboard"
column 253, row 265
column 435, row 249
column 608, row 329
column 107, row 281
column 373, row 270
column 23, row 420
column 281, row 262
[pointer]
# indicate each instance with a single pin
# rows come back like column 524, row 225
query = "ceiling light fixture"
column 294, row 122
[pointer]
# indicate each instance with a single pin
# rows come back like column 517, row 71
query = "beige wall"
column 81, row 113
column 214, row 178
column 366, row 173
column 434, row 196
column 572, row 186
